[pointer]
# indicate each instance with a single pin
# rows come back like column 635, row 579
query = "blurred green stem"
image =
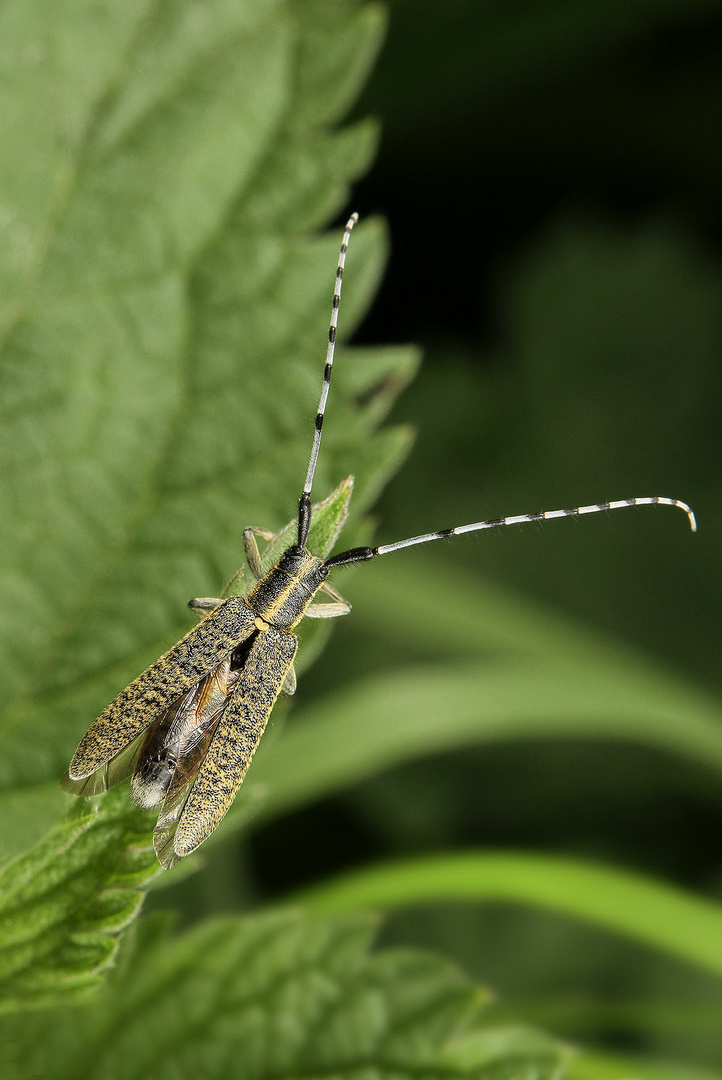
column 650, row 912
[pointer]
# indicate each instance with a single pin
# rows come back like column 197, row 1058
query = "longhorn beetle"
column 186, row 729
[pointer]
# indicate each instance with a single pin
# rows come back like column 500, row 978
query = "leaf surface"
column 65, row 903
column 164, row 346
column 281, row 995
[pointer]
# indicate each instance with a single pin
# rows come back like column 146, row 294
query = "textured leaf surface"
column 276, row 996
column 64, row 904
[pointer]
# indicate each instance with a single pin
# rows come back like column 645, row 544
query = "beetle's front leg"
column 328, row 611
column 204, row 605
column 253, row 555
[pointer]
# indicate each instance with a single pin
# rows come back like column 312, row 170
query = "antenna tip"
column 352, row 220
column 688, row 511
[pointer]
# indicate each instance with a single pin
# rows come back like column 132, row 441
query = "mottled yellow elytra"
column 186, row 729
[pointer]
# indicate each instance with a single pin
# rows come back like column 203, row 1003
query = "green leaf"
column 281, row 995
column 26, row 814
column 591, row 1065
column 64, row 904
column 164, row 325
column 649, row 912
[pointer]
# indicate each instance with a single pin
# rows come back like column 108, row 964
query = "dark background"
column 551, row 177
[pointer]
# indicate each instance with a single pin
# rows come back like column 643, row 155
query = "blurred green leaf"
column 275, row 995
column 26, row 815
column 597, row 1017
column 533, row 673
column 591, row 1065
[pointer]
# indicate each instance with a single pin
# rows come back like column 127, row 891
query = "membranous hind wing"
column 188, row 753
column 108, row 775
column 148, row 759
column 188, row 817
column 121, row 724
column 171, row 751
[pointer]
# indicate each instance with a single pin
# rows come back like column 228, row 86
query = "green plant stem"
column 650, row 912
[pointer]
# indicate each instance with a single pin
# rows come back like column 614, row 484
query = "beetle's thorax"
column 282, row 596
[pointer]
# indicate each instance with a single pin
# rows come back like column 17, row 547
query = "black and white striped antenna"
column 304, row 503
column 362, row 554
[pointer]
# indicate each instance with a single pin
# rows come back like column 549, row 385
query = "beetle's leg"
column 289, row 683
column 328, row 611
column 203, row 605
column 253, row 555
